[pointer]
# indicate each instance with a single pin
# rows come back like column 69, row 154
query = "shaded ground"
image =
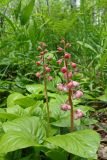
column 101, row 128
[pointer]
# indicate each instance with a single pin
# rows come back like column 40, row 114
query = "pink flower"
column 50, row 78
column 38, row 63
column 73, row 65
column 59, row 61
column 63, row 69
column 65, row 107
column 78, row 114
column 70, row 85
column 67, row 55
column 49, row 58
column 47, row 69
column 78, row 94
column 65, row 88
column 42, row 53
column 38, row 74
column 60, row 49
column 60, row 87
column 69, row 75
column 75, row 84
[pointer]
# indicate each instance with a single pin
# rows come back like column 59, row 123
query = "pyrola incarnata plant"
column 70, row 85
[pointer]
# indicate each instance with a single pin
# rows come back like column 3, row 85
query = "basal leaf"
column 25, row 102
column 34, row 88
column 81, row 143
column 31, row 125
column 9, row 116
column 14, row 140
column 12, row 97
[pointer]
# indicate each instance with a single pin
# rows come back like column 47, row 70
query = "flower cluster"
column 67, row 68
column 43, row 62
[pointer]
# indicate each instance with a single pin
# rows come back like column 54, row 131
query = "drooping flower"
column 67, row 55
column 70, row 85
column 59, row 61
column 69, row 75
column 78, row 94
column 47, row 69
column 63, row 69
column 49, row 58
column 60, row 87
column 38, row 75
column 38, row 63
column 74, row 65
column 65, row 107
column 60, row 49
column 50, row 78
column 75, row 84
column 78, row 114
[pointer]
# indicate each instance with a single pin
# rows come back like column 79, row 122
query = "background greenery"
column 23, row 24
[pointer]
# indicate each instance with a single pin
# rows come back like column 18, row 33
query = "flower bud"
column 42, row 44
column 73, row 65
column 42, row 53
column 50, row 78
column 39, row 48
column 45, row 51
column 49, row 58
column 65, row 107
column 60, row 49
column 59, row 61
column 67, row 45
column 62, row 41
column 67, row 55
column 47, row 69
column 63, row 69
column 38, row 75
column 38, row 63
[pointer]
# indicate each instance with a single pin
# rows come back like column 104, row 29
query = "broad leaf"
column 35, row 88
column 9, row 116
column 31, row 125
column 14, row 140
column 82, row 143
column 25, row 102
column 12, row 97
column 57, row 154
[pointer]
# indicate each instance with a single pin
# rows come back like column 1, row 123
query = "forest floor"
column 101, row 128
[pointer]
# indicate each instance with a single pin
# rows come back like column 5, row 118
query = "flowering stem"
column 70, row 101
column 45, row 92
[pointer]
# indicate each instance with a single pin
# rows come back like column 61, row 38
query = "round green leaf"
column 83, row 143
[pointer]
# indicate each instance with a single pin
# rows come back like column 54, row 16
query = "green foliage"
column 78, row 145
column 23, row 127
column 26, row 12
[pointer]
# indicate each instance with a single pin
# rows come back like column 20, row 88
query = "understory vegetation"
column 53, row 80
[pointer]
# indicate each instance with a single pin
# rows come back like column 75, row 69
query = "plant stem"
column 45, row 91
column 70, row 102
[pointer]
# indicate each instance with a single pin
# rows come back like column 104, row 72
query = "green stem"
column 45, row 92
